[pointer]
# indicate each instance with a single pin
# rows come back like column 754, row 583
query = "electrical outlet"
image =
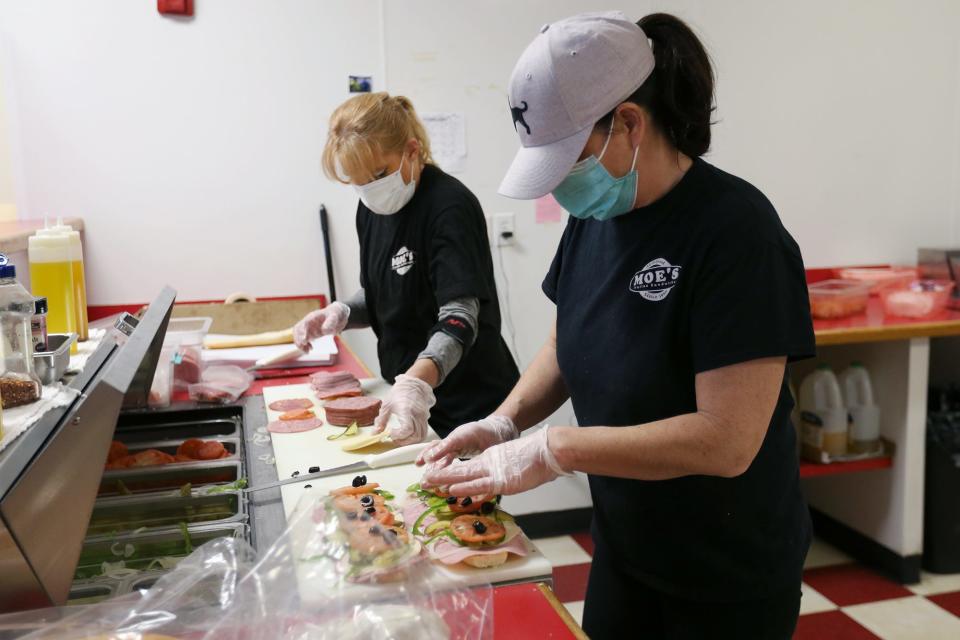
column 503, row 229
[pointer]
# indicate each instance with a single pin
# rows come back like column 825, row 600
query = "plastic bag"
column 311, row 584
column 223, row 384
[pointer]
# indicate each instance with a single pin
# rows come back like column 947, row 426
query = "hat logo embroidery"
column 517, row 114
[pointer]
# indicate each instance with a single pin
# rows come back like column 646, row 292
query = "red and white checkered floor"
column 841, row 599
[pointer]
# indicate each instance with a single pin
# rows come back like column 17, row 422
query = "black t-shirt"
column 432, row 251
column 703, row 278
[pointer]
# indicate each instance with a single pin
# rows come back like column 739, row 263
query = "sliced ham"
column 294, row 426
column 338, row 384
column 291, row 404
column 448, row 552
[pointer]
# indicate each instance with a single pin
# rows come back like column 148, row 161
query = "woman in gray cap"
column 680, row 299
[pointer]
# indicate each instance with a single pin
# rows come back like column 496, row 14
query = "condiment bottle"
column 823, row 416
column 38, row 324
column 79, row 279
column 51, row 276
column 18, row 382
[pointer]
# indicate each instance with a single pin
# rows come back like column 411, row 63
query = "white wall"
column 191, row 148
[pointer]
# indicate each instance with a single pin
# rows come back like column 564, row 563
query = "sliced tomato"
column 355, row 491
column 210, row 450
column 476, row 503
column 117, row 451
column 463, row 528
column 150, row 458
column 352, row 502
column 189, row 448
column 120, row 463
column 298, row 414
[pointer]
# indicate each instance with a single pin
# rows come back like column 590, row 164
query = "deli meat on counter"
column 338, row 384
column 345, row 411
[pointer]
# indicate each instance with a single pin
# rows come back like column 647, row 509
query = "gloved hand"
column 511, row 467
column 330, row 320
column 470, row 439
column 409, row 402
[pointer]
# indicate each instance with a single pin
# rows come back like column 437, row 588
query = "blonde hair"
column 366, row 123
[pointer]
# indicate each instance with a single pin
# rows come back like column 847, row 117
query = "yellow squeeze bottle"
column 79, row 281
column 51, row 276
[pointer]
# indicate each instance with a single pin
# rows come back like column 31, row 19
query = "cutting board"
column 300, row 451
column 396, row 480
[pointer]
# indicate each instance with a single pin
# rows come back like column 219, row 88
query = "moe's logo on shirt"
column 655, row 280
column 402, row 261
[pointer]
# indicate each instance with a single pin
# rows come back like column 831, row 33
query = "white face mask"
column 387, row 195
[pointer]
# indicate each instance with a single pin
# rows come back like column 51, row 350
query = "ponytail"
column 678, row 94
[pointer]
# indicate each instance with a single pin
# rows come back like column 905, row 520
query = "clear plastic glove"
column 330, row 320
column 409, row 403
column 511, row 467
column 470, row 439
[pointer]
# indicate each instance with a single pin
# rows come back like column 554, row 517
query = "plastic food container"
column 833, row 299
column 919, row 299
column 880, row 278
column 187, row 332
column 51, row 363
column 186, row 336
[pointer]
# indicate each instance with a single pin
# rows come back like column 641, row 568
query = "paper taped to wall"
column 448, row 139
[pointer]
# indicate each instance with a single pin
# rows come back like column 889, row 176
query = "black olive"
column 308, row 486
column 358, row 481
column 366, row 500
column 351, row 515
column 374, row 530
column 451, row 500
column 467, row 501
column 479, row 527
column 314, row 469
column 364, row 517
column 487, row 507
column 294, row 474
column 371, row 509
column 363, row 480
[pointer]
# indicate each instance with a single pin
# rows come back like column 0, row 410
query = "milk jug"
column 864, row 414
column 823, row 416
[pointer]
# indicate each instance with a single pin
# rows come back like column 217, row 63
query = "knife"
column 400, row 455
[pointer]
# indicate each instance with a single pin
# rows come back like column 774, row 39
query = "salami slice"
column 344, row 411
column 291, row 404
column 294, row 426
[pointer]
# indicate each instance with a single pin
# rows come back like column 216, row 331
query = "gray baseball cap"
column 572, row 74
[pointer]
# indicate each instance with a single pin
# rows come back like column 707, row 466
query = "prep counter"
column 873, row 509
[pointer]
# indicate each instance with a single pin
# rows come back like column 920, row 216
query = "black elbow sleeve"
column 458, row 328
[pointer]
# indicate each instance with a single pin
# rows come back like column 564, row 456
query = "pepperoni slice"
column 290, row 404
column 489, row 530
column 355, row 491
column 298, row 414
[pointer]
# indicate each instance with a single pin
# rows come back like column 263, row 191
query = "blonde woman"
column 426, row 275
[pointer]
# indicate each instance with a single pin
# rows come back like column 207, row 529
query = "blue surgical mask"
column 589, row 191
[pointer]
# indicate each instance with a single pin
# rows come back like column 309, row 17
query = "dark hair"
column 678, row 94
